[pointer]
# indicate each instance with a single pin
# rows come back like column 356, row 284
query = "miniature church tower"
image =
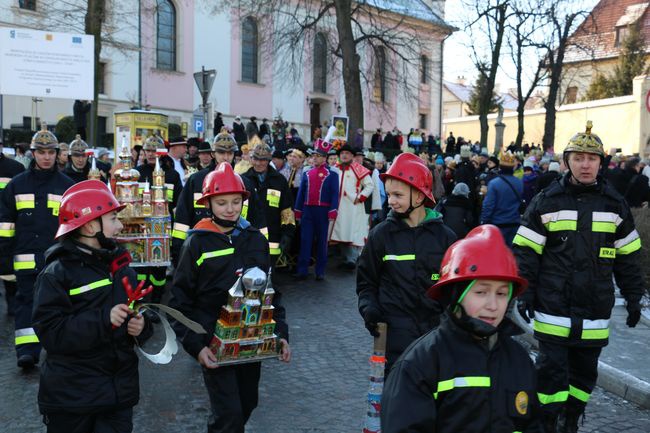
column 126, row 183
column 93, row 173
column 158, row 188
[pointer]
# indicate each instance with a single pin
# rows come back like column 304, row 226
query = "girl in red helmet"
column 468, row 375
column 89, row 382
column 214, row 251
column 402, row 258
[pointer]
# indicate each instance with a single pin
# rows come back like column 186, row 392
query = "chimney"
column 461, row 80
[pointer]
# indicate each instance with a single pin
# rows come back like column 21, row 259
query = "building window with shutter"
column 166, row 36
column 249, row 50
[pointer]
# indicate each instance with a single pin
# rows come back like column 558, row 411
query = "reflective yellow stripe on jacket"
column 24, row 262
column 7, row 230
column 274, row 248
column 462, row 382
column 4, row 181
column 398, row 258
column 628, row 244
column 53, row 202
column 526, row 237
column 195, row 197
column 212, row 254
column 91, row 286
column 24, row 201
column 561, row 326
column 180, row 231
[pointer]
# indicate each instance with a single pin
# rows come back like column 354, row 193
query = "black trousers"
column 566, row 376
column 10, row 296
column 26, row 340
column 233, row 392
column 120, row 421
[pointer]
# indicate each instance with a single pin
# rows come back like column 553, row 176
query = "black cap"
column 345, row 147
column 278, row 154
column 204, row 146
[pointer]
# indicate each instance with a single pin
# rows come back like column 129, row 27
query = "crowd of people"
column 443, row 242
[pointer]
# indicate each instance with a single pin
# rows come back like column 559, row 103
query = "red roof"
column 595, row 38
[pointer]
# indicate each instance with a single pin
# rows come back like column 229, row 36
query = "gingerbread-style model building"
column 147, row 223
column 245, row 329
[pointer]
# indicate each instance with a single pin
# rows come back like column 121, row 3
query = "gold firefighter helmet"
column 261, row 150
column 224, row 142
column 586, row 142
column 153, row 143
column 78, row 147
column 44, row 139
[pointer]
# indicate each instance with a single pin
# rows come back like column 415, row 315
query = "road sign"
column 198, row 125
column 204, row 81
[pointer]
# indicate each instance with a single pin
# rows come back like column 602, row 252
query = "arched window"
column 166, row 35
column 320, row 63
column 424, row 69
column 380, row 74
column 249, row 50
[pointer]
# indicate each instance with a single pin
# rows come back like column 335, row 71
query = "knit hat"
column 440, row 161
column 554, row 166
column 461, row 189
column 494, row 159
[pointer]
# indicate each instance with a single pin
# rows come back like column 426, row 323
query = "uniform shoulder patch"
column 521, row 402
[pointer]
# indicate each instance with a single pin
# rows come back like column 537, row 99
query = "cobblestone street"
column 323, row 389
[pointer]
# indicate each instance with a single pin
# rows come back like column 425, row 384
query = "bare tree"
column 489, row 23
column 358, row 34
column 564, row 17
column 526, row 38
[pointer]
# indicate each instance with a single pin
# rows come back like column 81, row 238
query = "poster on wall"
column 341, row 124
column 46, row 64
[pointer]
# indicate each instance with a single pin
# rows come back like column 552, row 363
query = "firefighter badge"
column 521, row 402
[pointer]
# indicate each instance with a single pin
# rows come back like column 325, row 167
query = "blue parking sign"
column 198, row 125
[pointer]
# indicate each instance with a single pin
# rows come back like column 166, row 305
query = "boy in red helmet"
column 468, row 375
column 210, row 257
column 89, row 382
column 402, row 258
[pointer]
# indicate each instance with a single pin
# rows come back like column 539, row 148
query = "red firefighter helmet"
column 482, row 254
column 84, row 202
column 222, row 180
column 411, row 170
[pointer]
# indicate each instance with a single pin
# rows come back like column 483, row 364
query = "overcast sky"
column 457, row 56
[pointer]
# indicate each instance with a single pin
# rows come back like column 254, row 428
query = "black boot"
column 569, row 420
column 550, row 423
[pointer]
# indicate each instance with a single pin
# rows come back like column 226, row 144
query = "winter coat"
column 29, row 218
column 530, row 184
column 637, row 191
column 449, row 381
column 239, row 131
column 396, row 267
column 207, row 269
column 90, row 367
column 545, row 179
column 275, row 198
column 501, row 204
column 189, row 212
column 458, row 214
column 571, row 241
column 81, row 175
column 9, row 168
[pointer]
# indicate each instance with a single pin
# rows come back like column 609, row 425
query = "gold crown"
column 507, row 159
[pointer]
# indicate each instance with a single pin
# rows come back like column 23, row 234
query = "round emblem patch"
column 521, row 402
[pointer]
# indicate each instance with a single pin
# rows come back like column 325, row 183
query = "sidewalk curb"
column 609, row 378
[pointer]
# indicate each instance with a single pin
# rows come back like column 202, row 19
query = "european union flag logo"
column 76, row 39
